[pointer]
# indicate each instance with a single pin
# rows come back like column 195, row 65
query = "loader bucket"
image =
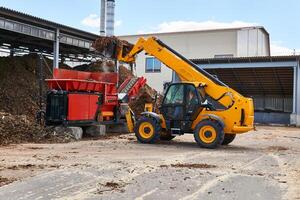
column 106, row 46
column 110, row 47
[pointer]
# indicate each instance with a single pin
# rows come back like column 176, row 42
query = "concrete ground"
column 263, row 164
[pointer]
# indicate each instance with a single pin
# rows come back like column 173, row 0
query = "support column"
column 293, row 118
column 56, row 50
column 12, row 52
column 298, row 97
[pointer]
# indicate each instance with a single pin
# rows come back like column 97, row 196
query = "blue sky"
column 279, row 17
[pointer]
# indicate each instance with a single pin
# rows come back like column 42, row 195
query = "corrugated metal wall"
column 273, row 103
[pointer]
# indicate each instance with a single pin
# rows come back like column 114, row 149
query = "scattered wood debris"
column 277, row 148
column 5, row 181
column 190, row 166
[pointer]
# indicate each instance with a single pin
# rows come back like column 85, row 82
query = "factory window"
column 153, row 65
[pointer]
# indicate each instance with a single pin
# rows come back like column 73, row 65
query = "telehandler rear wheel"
column 147, row 130
column 228, row 139
column 209, row 134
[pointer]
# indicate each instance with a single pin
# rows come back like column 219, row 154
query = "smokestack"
column 102, row 17
column 110, row 17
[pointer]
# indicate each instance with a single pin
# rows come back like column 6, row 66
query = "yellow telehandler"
column 200, row 104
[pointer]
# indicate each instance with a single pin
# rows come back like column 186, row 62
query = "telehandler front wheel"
column 209, row 134
column 228, row 139
column 147, row 130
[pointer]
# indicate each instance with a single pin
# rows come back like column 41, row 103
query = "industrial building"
column 219, row 43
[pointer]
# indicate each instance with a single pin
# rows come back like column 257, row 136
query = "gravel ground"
column 263, row 164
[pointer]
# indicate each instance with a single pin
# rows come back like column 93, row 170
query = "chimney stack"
column 102, row 17
column 110, row 17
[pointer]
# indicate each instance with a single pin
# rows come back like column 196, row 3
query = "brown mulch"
column 277, row 148
column 145, row 95
column 5, row 181
column 110, row 186
column 97, row 66
column 31, row 166
column 18, row 129
column 191, row 166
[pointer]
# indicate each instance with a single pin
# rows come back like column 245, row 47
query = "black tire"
column 151, row 133
column 228, row 138
column 211, row 135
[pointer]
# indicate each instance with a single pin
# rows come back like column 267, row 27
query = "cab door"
column 177, row 109
column 173, row 108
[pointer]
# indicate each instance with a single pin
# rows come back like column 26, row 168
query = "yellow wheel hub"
column 207, row 134
column 146, row 130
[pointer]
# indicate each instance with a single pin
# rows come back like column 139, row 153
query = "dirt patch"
column 35, row 148
column 31, row 166
column 277, row 148
column 190, row 166
column 110, row 186
column 5, row 181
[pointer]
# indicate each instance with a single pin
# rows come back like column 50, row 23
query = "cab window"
column 191, row 95
column 175, row 95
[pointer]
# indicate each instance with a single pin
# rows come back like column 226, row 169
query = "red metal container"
column 82, row 107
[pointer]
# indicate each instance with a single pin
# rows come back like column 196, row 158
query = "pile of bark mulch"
column 145, row 95
column 124, row 73
column 16, row 129
column 97, row 66
column 19, row 97
column 19, row 85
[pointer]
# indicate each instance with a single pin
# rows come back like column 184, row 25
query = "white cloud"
column 175, row 26
column 118, row 23
column 277, row 49
column 93, row 21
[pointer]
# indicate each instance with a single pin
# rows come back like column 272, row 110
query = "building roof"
column 247, row 59
column 26, row 18
column 196, row 31
column 254, row 81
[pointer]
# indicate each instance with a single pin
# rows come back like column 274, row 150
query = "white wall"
column 252, row 42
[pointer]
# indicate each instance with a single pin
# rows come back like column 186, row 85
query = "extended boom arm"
column 238, row 116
